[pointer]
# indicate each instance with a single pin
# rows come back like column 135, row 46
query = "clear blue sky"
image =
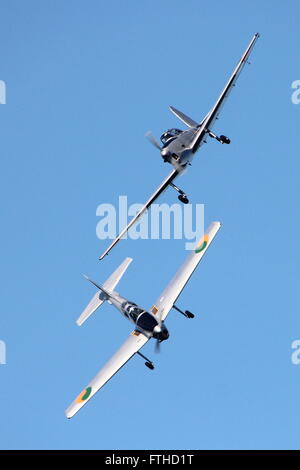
column 85, row 81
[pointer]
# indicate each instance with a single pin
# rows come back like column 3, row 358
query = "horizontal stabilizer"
column 114, row 279
column 183, row 117
column 96, row 301
column 104, row 291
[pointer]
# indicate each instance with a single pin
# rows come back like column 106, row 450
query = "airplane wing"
column 134, row 343
column 213, row 114
column 150, row 201
column 168, row 297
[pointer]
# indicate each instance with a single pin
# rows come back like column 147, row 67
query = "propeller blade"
column 157, row 346
column 152, row 140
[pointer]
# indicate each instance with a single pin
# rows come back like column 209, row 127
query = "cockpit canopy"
column 132, row 310
column 143, row 319
column 169, row 134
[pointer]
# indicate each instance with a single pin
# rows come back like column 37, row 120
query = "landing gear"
column 189, row 314
column 222, row 138
column 148, row 363
column 182, row 196
column 186, row 314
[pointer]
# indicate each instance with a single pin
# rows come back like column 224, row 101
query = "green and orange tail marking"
column 202, row 244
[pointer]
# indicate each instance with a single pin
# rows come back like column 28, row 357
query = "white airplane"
column 179, row 147
column 147, row 325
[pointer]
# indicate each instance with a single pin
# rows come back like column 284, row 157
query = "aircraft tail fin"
column 104, row 291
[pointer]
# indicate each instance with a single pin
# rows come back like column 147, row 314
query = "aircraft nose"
column 157, row 329
column 165, row 334
column 160, row 332
column 165, row 155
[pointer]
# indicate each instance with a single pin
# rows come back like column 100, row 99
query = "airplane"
column 179, row 146
column 147, row 324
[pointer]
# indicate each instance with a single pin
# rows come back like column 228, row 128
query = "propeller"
column 160, row 334
column 153, row 140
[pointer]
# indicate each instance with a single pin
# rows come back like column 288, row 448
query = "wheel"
column 149, row 365
column 224, row 139
column 189, row 314
column 183, row 198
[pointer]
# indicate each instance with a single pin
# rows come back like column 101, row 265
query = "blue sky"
column 85, row 81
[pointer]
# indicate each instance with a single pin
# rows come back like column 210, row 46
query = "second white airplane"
column 147, row 324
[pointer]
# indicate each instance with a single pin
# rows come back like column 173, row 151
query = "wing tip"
column 68, row 415
column 216, row 223
column 72, row 410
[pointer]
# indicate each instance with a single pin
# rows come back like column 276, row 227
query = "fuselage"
column 143, row 320
column 177, row 147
